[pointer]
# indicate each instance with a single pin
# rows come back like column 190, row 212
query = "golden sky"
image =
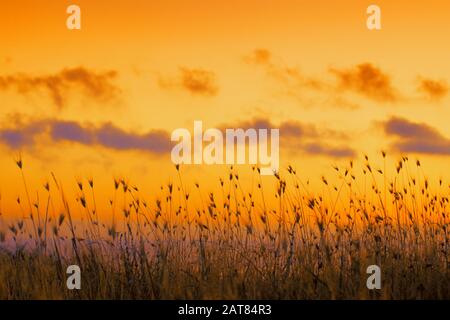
column 102, row 101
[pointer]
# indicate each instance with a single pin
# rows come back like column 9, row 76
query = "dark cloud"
column 413, row 137
column 302, row 137
column 367, row 80
column 106, row 135
column 196, row 81
column 433, row 89
column 95, row 85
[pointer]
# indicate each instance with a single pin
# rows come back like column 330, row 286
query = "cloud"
column 156, row 141
column 71, row 131
column 309, row 90
column 95, row 85
column 291, row 128
column 292, row 77
column 368, row 81
column 364, row 79
column 259, row 56
column 19, row 138
column 295, row 137
column 302, row 137
column 106, row 135
column 413, row 137
column 327, row 150
column 196, row 81
column 433, row 89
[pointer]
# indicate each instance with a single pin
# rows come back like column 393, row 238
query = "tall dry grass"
column 301, row 242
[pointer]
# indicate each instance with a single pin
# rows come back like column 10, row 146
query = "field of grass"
column 299, row 242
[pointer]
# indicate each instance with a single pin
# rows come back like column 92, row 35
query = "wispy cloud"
column 364, row 79
column 196, row 81
column 292, row 77
column 433, row 89
column 95, row 85
column 106, row 135
column 414, row 137
column 260, row 57
column 367, row 80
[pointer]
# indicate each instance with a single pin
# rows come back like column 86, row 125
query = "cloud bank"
column 105, row 135
column 303, row 138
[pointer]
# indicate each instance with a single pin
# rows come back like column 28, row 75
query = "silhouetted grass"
column 299, row 243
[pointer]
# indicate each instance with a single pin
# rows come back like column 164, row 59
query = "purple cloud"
column 112, row 137
column 335, row 152
column 415, row 137
column 71, row 131
column 106, row 135
column 301, row 137
column 23, row 137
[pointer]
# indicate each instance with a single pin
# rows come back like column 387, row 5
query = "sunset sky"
column 102, row 101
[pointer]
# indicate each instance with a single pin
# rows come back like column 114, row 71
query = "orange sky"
column 372, row 90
